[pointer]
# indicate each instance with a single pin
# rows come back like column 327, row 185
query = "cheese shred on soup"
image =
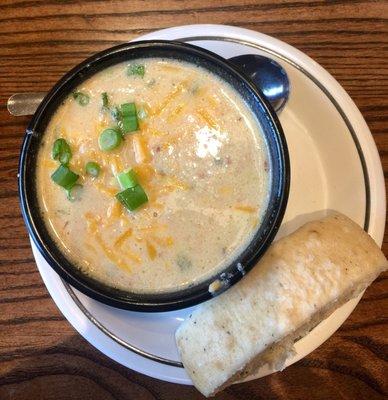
column 153, row 175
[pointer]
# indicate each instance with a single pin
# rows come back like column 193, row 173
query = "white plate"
column 335, row 165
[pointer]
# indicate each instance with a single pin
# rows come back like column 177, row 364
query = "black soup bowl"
column 278, row 190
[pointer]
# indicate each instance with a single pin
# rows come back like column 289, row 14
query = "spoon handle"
column 24, row 103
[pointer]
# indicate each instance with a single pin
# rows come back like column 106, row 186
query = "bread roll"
column 300, row 281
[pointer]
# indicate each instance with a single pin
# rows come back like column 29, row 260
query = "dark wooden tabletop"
column 41, row 355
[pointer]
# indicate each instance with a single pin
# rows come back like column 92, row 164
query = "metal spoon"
column 267, row 75
column 24, row 103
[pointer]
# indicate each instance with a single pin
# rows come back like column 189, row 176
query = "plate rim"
column 231, row 35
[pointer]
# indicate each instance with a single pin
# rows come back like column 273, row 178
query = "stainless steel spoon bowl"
column 268, row 75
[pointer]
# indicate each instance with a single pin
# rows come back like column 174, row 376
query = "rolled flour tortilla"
column 300, row 281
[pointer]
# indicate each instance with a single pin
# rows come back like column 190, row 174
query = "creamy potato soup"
column 153, row 175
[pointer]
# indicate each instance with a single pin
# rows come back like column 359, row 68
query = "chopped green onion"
column 61, row 151
column 105, row 99
column 115, row 113
column 129, row 124
column 126, row 117
column 128, row 121
column 136, row 69
column 70, row 192
column 81, row 98
column 64, row 177
column 127, row 179
column 109, row 139
column 128, row 109
column 132, row 198
column 92, row 168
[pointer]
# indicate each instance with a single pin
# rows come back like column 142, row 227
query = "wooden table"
column 41, row 356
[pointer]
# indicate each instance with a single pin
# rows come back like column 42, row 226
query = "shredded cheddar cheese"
column 50, row 164
column 171, row 185
column 151, row 251
column 114, row 210
column 142, row 154
column 207, row 118
column 132, row 256
column 110, row 255
column 92, row 223
column 175, row 113
column 109, row 191
column 212, row 101
column 145, row 172
column 178, row 184
column 123, row 237
column 243, row 208
column 169, row 98
column 166, row 242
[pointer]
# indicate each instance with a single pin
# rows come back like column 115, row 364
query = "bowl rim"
column 165, row 301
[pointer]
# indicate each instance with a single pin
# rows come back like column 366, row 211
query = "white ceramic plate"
column 334, row 163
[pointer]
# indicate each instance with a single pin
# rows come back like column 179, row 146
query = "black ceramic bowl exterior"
column 270, row 127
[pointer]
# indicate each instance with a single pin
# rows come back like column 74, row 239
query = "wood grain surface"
column 41, row 356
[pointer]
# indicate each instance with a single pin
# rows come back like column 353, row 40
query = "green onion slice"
column 81, row 98
column 128, row 109
column 61, row 151
column 127, row 179
column 115, row 113
column 92, row 168
column 64, row 177
column 128, row 121
column 126, row 117
column 132, row 198
column 129, row 124
column 109, row 139
column 136, row 69
column 105, row 99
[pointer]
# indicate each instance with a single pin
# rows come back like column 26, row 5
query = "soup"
column 153, row 175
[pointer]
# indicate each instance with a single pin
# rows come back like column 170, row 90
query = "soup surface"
column 197, row 153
